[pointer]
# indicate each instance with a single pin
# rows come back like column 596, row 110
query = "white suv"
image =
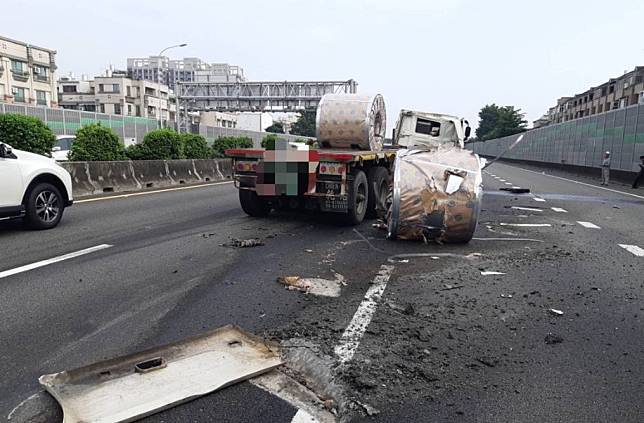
column 34, row 187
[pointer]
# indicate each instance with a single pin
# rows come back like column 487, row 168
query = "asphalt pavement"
column 539, row 318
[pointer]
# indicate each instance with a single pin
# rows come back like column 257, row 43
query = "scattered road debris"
column 126, row 388
column 315, row 286
column 515, row 190
column 488, row 361
column 556, row 312
column 551, row 339
column 244, row 243
column 506, row 295
column 308, row 250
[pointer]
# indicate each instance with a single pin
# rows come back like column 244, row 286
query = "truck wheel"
column 252, row 204
column 378, row 182
column 44, row 206
column 358, row 198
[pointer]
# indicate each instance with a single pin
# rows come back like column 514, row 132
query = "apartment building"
column 616, row 93
column 116, row 94
column 188, row 69
column 27, row 74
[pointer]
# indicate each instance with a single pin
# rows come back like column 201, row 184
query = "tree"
column 305, row 124
column 276, row 128
column 268, row 142
column 222, row 144
column 499, row 121
column 95, row 142
column 195, row 146
column 163, row 144
column 26, row 133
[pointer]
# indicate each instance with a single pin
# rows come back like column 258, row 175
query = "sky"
column 449, row 56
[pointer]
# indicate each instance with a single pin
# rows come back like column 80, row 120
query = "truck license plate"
column 334, row 204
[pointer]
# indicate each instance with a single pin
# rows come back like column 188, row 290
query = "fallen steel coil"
column 351, row 121
column 436, row 195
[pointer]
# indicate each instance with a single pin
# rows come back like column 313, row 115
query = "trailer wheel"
column 252, row 204
column 378, row 180
column 358, row 198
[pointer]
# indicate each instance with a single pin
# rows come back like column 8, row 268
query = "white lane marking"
column 559, row 210
column 352, row 335
column 501, row 180
column 527, row 225
column 487, row 273
column 42, row 263
column 303, row 417
column 508, row 183
column 516, row 187
column 526, row 208
column 639, row 252
column 540, row 200
column 588, row 225
column 157, row 191
column 580, row 183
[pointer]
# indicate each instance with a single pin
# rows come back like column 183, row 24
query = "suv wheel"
column 44, row 206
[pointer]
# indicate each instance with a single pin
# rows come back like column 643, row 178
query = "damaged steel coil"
column 435, row 195
column 351, row 121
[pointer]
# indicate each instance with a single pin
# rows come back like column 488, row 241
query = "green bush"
column 97, row 143
column 163, row 144
column 139, row 152
column 26, row 133
column 268, row 142
column 221, row 144
column 195, row 146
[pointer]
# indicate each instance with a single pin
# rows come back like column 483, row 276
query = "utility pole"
column 159, row 82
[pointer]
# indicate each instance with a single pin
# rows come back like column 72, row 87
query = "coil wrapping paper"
column 351, row 120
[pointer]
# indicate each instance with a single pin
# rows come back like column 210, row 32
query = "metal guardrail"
column 580, row 142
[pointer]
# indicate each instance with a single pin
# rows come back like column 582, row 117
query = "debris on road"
column 488, row 361
column 515, row 190
column 308, row 250
column 315, row 286
column 551, row 339
column 449, row 287
column 506, row 295
column 140, row 384
column 556, row 312
column 244, row 243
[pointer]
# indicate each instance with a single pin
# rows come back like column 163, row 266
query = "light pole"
column 159, row 82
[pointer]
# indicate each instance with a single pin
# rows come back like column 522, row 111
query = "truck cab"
column 426, row 130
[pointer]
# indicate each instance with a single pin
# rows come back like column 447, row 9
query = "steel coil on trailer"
column 435, row 195
column 351, row 121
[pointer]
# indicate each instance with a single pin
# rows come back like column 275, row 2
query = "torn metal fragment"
column 127, row 388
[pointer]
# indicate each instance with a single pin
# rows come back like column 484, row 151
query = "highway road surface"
column 539, row 318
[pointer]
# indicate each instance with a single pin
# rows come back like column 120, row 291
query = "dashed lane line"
column 538, row 199
column 526, row 208
column 580, row 183
column 559, row 210
column 490, row 273
column 352, row 335
column 634, row 249
column 42, row 263
column 589, row 225
column 157, row 191
column 508, row 183
column 527, row 225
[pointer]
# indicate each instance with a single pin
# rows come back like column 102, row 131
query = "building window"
column 611, row 89
column 116, row 88
column 102, row 108
column 41, row 73
column 138, row 110
column 603, row 91
column 69, row 88
column 18, row 94
column 117, row 109
column 129, row 109
column 41, row 98
column 18, row 67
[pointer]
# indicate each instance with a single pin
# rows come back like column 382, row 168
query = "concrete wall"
column 92, row 178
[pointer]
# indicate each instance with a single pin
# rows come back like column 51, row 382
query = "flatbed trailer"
column 353, row 183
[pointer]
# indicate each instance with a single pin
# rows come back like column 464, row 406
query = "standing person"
column 606, row 168
column 640, row 176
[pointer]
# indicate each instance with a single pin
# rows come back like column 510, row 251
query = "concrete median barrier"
column 93, row 178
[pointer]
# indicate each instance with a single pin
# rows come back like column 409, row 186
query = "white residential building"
column 116, row 94
column 27, row 73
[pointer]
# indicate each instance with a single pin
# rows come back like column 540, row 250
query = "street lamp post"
column 159, row 82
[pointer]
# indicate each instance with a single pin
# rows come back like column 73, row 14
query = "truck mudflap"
column 140, row 384
column 435, row 195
